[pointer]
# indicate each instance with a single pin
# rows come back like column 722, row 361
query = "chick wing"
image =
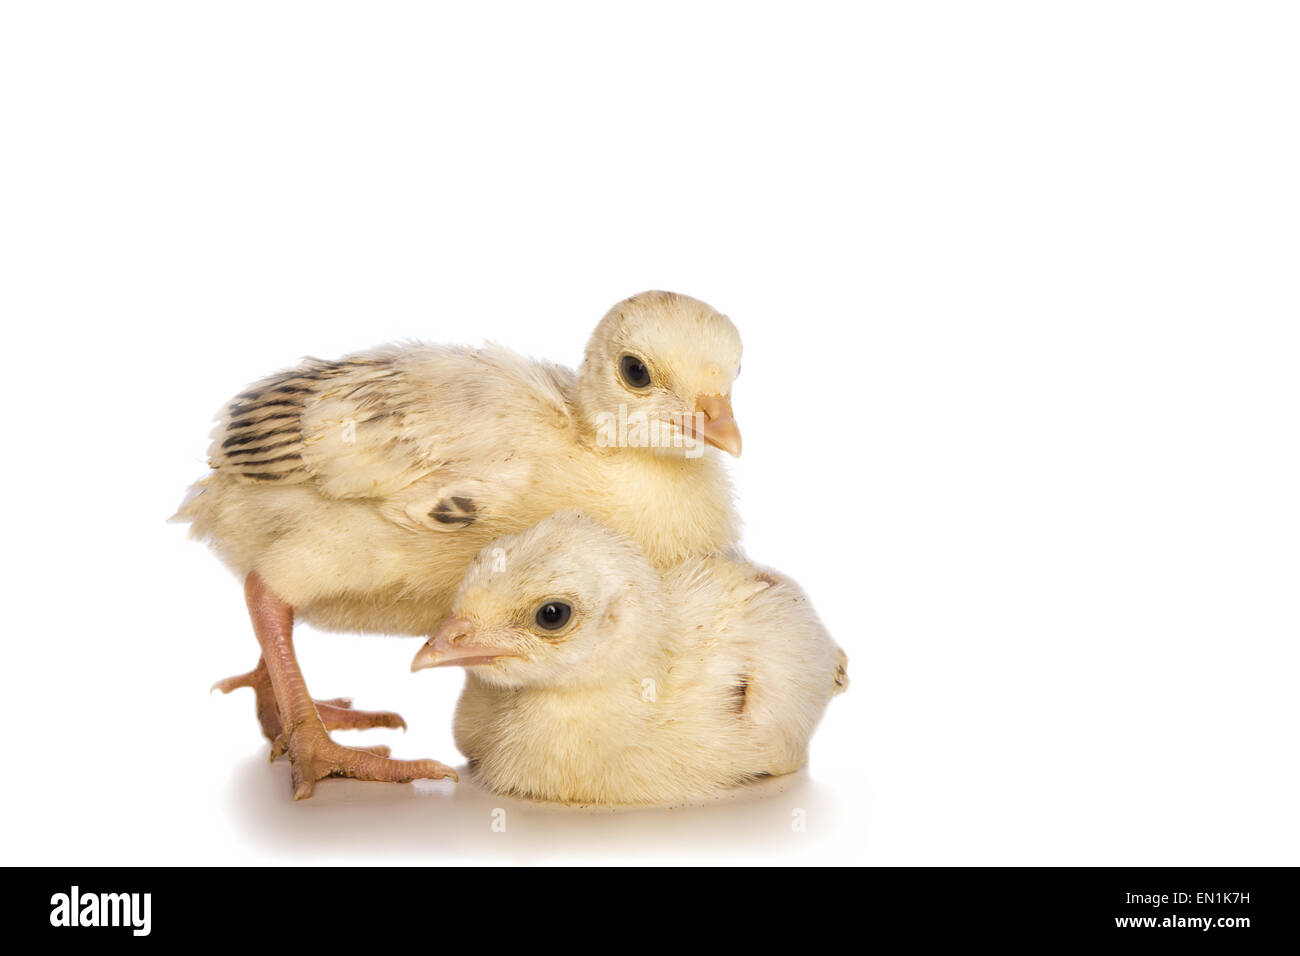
column 435, row 430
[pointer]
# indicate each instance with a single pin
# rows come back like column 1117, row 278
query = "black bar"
column 1231, row 907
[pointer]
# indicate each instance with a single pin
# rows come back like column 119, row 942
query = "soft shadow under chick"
column 593, row 677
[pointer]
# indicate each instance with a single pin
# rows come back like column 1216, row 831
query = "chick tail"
column 189, row 508
column 840, row 677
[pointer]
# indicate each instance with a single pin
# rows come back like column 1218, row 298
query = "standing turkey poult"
column 593, row 677
column 352, row 494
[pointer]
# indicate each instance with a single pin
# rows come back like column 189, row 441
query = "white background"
column 1018, row 288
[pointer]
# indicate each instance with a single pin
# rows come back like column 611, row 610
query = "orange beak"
column 453, row 643
column 718, row 427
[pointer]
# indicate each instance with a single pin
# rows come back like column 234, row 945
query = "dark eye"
column 553, row 615
column 634, row 371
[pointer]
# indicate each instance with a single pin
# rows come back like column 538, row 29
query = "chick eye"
column 634, row 371
column 553, row 615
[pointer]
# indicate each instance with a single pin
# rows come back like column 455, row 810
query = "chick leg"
column 312, row 754
column 336, row 713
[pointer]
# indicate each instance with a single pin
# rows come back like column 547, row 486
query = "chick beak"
column 453, row 643
column 719, row 427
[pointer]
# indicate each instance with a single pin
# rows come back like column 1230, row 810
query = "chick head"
column 557, row 604
column 657, row 375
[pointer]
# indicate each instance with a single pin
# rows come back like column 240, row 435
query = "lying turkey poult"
column 352, row 494
column 593, row 677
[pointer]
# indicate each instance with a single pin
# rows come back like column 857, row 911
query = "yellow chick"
column 351, row 494
column 593, row 677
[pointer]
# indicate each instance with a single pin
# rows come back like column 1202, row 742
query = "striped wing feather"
column 336, row 423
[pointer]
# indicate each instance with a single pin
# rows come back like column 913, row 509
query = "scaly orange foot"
column 337, row 713
column 314, row 756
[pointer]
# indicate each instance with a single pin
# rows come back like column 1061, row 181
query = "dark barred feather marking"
column 257, row 450
column 271, row 461
column 260, row 422
column 277, row 389
column 840, row 679
column 239, row 410
column 455, row 510
column 740, row 694
column 237, row 440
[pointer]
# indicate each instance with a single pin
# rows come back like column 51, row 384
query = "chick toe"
column 336, row 717
column 314, row 756
column 268, row 714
